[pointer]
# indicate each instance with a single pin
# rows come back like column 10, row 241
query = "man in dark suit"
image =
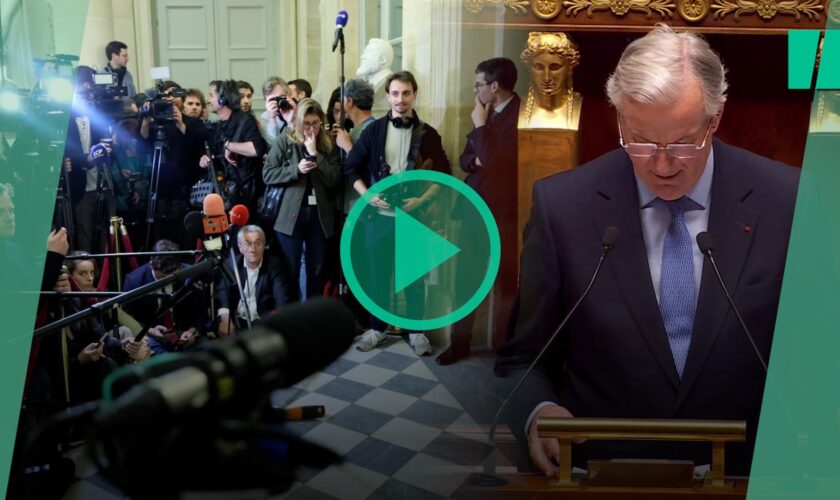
column 656, row 337
column 267, row 284
column 178, row 329
column 490, row 159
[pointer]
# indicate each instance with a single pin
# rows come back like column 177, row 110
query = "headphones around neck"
column 402, row 121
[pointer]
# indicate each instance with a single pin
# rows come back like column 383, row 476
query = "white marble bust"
column 375, row 64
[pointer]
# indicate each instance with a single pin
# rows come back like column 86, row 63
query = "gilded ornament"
column 693, row 10
column 474, row 6
column 546, row 9
column 517, row 6
column 768, row 9
column 664, row 8
column 620, row 7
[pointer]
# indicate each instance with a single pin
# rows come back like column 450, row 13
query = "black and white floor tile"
column 401, row 430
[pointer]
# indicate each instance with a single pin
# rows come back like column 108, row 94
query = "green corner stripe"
column 828, row 77
column 31, row 166
column 802, row 53
column 796, row 454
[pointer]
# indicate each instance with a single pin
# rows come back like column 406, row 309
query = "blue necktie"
column 676, row 285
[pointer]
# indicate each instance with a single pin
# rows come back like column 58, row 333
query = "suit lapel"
column 728, row 218
column 617, row 204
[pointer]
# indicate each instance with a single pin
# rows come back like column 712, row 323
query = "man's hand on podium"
column 545, row 452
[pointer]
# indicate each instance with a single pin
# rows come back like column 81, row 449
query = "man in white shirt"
column 265, row 283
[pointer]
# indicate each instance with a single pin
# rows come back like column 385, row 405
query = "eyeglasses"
column 312, row 124
column 253, row 244
column 674, row 150
column 478, row 85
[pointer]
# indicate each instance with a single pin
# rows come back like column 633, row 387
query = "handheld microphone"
column 488, row 477
column 99, row 154
column 235, row 372
column 340, row 23
column 239, row 215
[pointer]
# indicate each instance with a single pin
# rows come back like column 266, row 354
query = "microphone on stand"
column 707, row 247
column 488, row 477
column 704, row 241
column 340, row 23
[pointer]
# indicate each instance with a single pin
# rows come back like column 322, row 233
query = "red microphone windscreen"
column 239, row 215
column 213, row 205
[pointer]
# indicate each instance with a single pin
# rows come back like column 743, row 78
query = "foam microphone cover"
column 215, row 219
column 194, row 225
column 239, row 215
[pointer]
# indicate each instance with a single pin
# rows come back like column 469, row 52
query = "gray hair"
column 655, row 68
column 361, row 92
column 250, row 228
column 272, row 82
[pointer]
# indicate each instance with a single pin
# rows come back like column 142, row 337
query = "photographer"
column 305, row 161
column 183, row 139
column 238, row 141
column 280, row 108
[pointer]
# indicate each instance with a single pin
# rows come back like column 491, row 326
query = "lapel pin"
column 747, row 229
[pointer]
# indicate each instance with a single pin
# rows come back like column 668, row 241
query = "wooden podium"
column 627, row 479
column 535, row 486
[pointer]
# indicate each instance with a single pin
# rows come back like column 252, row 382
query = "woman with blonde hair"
column 305, row 162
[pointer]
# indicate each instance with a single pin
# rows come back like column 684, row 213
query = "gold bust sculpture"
column 552, row 101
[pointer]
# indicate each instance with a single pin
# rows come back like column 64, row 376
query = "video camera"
column 160, row 107
column 107, row 95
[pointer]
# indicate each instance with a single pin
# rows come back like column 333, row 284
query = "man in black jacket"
column 239, row 142
column 266, row 283
column 395, row 143
column 179, row 329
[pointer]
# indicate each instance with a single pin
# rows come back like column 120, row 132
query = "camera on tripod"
column 107, row 95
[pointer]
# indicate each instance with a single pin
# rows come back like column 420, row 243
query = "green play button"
column 426, row 261
column 412, row 237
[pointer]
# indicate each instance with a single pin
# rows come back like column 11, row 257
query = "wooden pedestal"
column 542, row 152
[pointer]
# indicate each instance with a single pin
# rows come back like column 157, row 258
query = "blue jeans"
column 307, row 238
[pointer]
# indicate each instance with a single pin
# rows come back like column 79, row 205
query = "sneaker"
column 420, row 344
column 370, row 339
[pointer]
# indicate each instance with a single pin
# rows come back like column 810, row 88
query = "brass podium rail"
column 567, row 430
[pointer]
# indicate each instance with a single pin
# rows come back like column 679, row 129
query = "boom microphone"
column 233, row 373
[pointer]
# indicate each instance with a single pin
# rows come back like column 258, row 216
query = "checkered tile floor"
column 400, row 430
